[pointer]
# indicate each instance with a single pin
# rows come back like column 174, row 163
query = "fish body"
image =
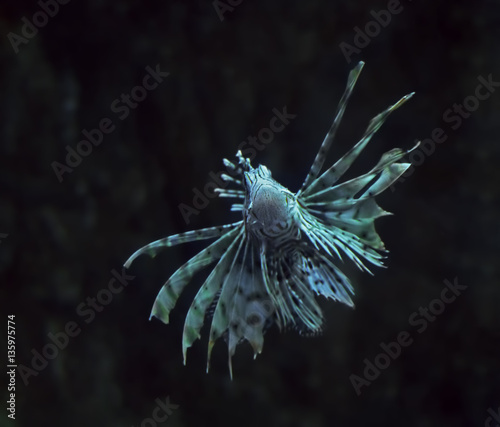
column 271, row 265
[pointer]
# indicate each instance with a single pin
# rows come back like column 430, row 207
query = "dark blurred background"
column 61, row 240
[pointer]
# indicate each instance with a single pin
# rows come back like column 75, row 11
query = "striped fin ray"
column 223, row 192
column 205, row 233
column 243, row 309
column 327, row 142
column 237, row 207
column 220, row 322
column 326, row 279
column 333, row 174
column 269, row 267
column 313, row 229
column 357, row 220
column 350, row 212
column 208, row 292
column 228, row 178
column 169, row 293
column 353, row 246
column 375, row 181
column 298, row 296
column 351, row 209
column 331, row 239
column 256, row 306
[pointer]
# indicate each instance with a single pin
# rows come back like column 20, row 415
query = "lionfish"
column 270, row 265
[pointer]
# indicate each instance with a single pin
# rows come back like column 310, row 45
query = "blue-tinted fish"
column 271, row 265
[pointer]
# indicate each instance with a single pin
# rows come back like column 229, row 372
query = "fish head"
column 270, row 206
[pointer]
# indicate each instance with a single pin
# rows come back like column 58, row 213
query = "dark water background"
column 65, row 238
